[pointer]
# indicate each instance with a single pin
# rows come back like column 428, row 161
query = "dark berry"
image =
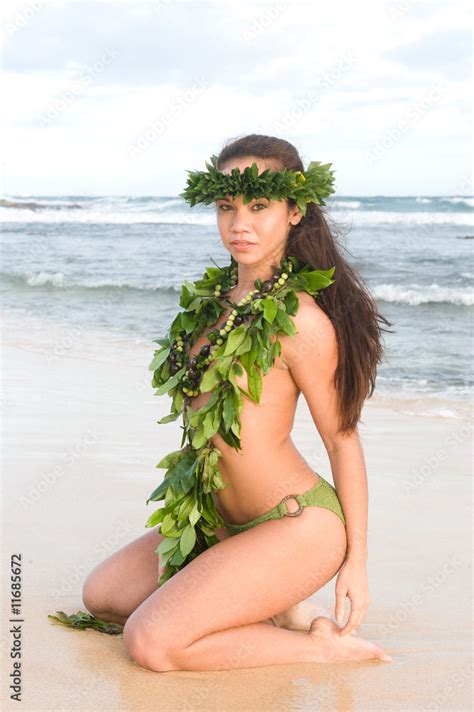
column 267, row 285
column 204, row 350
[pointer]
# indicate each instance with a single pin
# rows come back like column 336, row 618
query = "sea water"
column 114, row 265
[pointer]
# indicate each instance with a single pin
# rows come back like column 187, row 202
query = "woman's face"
column 262, row 223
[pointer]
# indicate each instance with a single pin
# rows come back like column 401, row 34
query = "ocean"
column 114, row 266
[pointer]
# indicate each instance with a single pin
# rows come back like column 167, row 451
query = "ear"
column 295, row 217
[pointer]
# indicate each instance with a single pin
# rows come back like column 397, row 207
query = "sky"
column 122, row 98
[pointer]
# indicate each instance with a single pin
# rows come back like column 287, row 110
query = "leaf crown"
column 310, row 186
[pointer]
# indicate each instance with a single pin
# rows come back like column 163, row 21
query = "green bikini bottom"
column 322, row 494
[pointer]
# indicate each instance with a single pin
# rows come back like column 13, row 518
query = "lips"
column 242, row 242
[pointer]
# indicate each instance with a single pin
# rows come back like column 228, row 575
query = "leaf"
column 168, row 526
column 316, row 279
column 269, row 309
column 82, row 620
column 158, row 494
column 255, row 383
column 229, row 409
column 169, row 418
column 210, row 426
column 177, row 559
column 199, row 438
column 195, row 515
column 286, row 323
column 245, row 346
column 210, row 379
column 156, row 517
column 170, row 383
column 188, row 539
column 166, row 545
column 291, row 302
column 235, row 339
column 159, row 358
column 172, row 458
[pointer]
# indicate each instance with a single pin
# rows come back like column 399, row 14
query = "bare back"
column 268, row 466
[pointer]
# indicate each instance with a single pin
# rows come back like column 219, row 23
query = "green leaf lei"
column 188, row 519
column 310, row 186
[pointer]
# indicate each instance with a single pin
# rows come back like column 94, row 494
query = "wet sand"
column 80, row 446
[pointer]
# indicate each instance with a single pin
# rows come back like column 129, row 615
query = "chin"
column 245, row 258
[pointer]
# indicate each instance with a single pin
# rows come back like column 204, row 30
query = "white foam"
column 460, row 199
column 423, row 294
column 353, row 204
column 379, row 217
column 10, row 215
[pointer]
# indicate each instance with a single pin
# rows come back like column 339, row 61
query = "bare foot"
column 334, row 648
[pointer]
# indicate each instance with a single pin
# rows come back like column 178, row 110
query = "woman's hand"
column 352, row 582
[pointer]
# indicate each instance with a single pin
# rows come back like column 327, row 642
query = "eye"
column 226, row 205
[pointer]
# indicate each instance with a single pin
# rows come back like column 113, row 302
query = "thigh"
column 244, row 579
column 120, row 583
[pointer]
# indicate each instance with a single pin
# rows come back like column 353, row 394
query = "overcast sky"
column 121, row 98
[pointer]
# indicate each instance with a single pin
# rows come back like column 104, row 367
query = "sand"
column 80, row 444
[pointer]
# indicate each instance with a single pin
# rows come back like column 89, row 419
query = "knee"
column 93, row 595
column 144, row 646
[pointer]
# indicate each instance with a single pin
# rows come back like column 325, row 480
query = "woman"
column 216, row 613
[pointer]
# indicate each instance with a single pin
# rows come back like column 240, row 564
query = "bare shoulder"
column 315, row 335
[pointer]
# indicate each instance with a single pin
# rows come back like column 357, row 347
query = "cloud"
column 122, row 97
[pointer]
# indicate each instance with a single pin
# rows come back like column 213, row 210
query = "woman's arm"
column 312, row 358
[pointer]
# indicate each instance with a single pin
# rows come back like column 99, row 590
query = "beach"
column 81, row 442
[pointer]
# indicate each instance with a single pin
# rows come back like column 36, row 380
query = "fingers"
column 340, row 606
column 355, row 619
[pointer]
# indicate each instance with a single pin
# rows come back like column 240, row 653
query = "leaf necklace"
column 189, row 518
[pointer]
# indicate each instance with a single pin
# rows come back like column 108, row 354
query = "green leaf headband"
column 310, row 186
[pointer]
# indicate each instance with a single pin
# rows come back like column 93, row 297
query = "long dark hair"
column 348, row 302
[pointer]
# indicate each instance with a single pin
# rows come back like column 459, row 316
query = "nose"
column 241, row 221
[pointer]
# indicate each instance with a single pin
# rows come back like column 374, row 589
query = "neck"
column 247, row 274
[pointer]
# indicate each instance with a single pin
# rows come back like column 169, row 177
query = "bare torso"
column 268, row 466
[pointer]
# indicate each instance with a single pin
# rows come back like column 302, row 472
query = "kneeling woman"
column 248, row 529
